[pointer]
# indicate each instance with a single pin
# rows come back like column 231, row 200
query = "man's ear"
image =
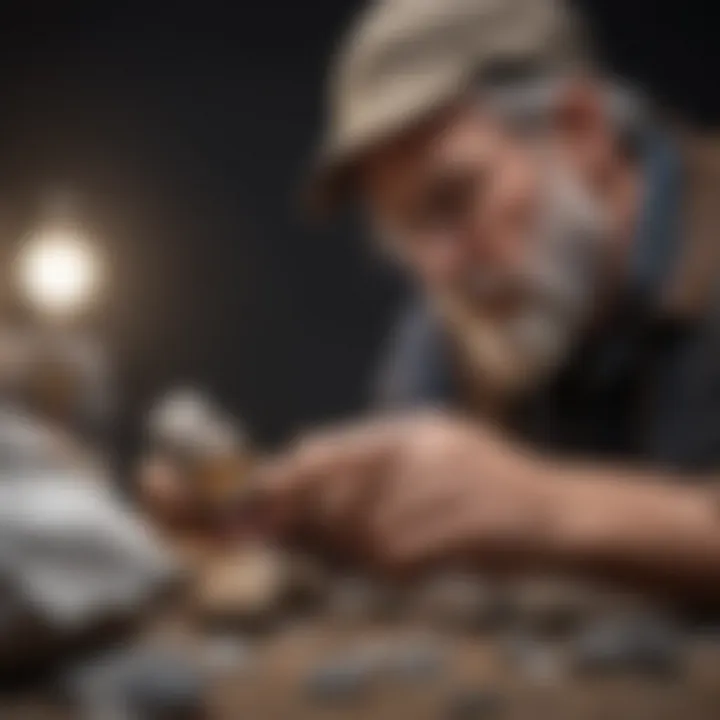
column 583, row 127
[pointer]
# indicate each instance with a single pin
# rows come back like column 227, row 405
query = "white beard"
column 510, row 356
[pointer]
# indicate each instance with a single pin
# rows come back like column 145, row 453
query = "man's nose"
column 492, row 248
column 451, row 255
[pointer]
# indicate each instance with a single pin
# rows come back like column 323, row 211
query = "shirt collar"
column 656, row 244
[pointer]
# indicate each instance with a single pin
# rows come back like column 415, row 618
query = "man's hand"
column 404, row 493
column 401, row 494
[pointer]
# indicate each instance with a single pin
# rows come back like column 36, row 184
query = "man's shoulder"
column 683, row 423
column 694, row 286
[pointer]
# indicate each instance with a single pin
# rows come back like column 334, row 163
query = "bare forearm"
column 638, row 528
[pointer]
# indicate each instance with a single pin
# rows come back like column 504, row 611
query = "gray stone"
column 462, row 602
column 536, row 659
column 419, row 661
column 341, row 681
column 221, row 653
column 143, row 683
column 474, row 704
column 166, row 692
column 360, row 599
column 552, row 607
column 643, row 644
column 73, row 557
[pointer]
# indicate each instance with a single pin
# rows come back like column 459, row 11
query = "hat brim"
column 331, row 180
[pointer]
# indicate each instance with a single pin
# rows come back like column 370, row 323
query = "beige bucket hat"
column 405, row 59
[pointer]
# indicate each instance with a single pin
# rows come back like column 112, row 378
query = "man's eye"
column 447, row 204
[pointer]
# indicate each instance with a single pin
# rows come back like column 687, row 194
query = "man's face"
column 501, row 231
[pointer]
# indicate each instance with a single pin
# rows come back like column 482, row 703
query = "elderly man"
column 564, row 333
column 554, row 388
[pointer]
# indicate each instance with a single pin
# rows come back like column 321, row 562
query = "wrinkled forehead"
column 460, row 137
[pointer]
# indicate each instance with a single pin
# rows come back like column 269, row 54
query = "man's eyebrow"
column 459, row 174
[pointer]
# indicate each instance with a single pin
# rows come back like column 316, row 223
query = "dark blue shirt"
column 646, row 386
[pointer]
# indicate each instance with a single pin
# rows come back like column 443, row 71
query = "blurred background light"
column 58, row 271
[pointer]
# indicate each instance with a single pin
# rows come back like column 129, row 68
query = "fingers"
column 163, row 491
column 327, row 480
column 368, row 446
column 383, row 492
column 422, row 542
column 403, row 515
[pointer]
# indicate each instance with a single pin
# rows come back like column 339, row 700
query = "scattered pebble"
column 358, row 599
column 462, row 602
column 537, row 660
column 474, row 704
column 417, row 661
column 141, row 683
column 342, row 681
column 165, row 692
column 244, row 589
column 224, row 653
column 551, row 607
column 644, row 644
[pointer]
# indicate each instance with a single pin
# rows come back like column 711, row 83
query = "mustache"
column 498, row 288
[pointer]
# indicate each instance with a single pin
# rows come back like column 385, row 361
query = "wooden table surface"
column 271, row 683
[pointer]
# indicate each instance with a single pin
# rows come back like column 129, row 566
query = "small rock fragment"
column 474, row 704
column 461, row 602
column 643, row 644
column 245, row 589
column 142, row 683
column 341, row 681
column 308, row 584
column 359, row 599
column 550, row 606
column 537, row 660
column 417, row 661
column 222, row 653
column 165, row 692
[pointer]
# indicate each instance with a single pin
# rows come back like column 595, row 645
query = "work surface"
column 261, row 635
column 468, row 678
column 316, row 668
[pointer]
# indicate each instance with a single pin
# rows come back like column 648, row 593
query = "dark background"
column 181, row 133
